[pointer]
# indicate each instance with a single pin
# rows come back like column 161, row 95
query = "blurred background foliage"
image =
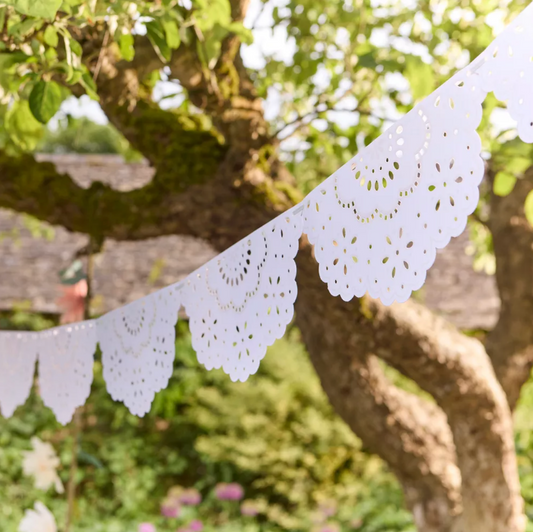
column 276, row 435
column 82, row 135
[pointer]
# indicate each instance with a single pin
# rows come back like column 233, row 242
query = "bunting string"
column 375, row 224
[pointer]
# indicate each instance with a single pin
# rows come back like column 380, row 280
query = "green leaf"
column 75, row 46
column 242, row 32
column 22, row 127
column 157, row 37
column 209, row 50
column 50, row 36
column 9, row 59
column 7, row 62
column 212, row 13
column 172, row 33
column 25, row 27
column 367, row 60
column 125, row 44
column 528, row 207
column 36, row 47
column 504, row 183
column 87, row 82
column 45, row 100
column 75, row 77
column 51, row 55
column 89, row 459
column 36, row 8
column 420, row 76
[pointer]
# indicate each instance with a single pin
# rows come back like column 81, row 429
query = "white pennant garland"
column 18, row 353
column 137, row 343
column 375, row 223
column 240, row 302
column 506, row 68
column 66, row 356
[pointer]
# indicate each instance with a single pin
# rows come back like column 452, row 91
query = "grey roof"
column 125, row 271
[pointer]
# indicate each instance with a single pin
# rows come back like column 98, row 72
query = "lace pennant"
column 137, row 343
column 506, row 67
column 18, row 352
column 66, row 357
column 377, row 221
column 242, row 301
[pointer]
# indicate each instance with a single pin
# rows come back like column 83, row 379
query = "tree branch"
column 510, row 344
column 214, row 208
column 38, row 189
column 239, row 9
column 409, row 433
column 457, row 372
column 235, row 110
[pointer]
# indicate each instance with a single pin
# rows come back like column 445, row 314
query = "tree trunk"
column 456, row 463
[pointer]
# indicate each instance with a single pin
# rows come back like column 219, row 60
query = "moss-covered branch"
column 183, row 149
column 37, row 188
column 201, row 204
column 183, row 152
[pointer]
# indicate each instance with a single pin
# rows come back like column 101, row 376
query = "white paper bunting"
column 18, row 353
column 506, row 67
column 240, row 302
column 66, row 356
column 378, row 220
column 375, row 223
column 137, row 343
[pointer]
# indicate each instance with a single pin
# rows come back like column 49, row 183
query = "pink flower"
column 146, row 527
column 229, row 492
column 72, row 303
column 249, row 509
column 170, row 508
column 330, row 527
column 196, row 526
column 190, row 497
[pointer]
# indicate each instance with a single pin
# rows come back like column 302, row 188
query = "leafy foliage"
column 36, row 8
column 81, row 135
column 42, row 61
column 45, row 100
